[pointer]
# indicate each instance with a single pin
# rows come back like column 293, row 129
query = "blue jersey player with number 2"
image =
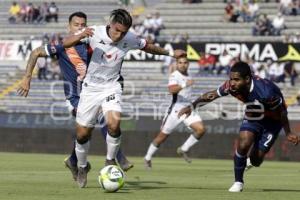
column 265, row 116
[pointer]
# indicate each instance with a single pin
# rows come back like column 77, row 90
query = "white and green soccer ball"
column 111, row 178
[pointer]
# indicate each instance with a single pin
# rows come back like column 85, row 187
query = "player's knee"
column 82, row 139
column 244, row 145
column 200, row 131
column 114, row 130
column 256, row 162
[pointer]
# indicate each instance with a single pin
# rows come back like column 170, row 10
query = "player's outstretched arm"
column 153, row 49
column 24, row 86
column 72, row 40
column 201, row 101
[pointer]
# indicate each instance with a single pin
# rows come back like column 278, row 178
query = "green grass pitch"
column 43, row 177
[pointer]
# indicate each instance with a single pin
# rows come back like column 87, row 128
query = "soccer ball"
column 111, row 178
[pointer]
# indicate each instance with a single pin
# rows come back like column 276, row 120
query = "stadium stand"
column 202, row 21
column 96, row 10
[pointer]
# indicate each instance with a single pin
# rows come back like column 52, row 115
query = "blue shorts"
column 74, row 100
column 266, row 132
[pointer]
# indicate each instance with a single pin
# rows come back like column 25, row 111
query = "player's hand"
column 87, row 32
column 185, row 111
column 189, row 82
column 24, row 86
column 291, row 137
column 179, row 53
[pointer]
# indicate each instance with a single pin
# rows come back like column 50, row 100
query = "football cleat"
column 248, row 165
column 236, row 187
column 82, row 175
column 71, row 167
column 148, row 164
column 184, row 155
column 125, row 165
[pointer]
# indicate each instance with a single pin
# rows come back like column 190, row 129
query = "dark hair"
column 121, row 16
column 77, row 14
column 242, row 68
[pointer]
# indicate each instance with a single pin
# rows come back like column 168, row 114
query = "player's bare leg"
column 255, row 159
column 153, row 147
column 113, row 137
column 246, row 139
column 194, row 138
column 82, row 148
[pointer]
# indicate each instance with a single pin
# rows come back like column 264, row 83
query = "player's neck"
column 183, row 72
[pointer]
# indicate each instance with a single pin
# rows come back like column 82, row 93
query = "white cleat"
column 249, row 165
column 236, row 187
column 148, row 164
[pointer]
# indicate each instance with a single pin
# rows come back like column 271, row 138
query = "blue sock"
column 73, row 157
column 239, row 167
column 120, row 156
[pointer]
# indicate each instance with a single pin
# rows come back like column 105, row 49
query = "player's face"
column 237, row 83
column 76, row 24
column 182, row 65
column 117, row 31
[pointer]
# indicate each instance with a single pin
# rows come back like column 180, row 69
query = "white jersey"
column 106, row 61
column 184, row 96
column 180, row 100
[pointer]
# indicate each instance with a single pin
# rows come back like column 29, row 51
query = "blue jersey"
column 73, row 64
column 266, row 125
column 262, row 92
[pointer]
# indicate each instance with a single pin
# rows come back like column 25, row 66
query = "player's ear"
column 248, row 79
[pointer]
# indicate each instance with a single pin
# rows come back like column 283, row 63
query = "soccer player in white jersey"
column 101, row 87
column 180, row 86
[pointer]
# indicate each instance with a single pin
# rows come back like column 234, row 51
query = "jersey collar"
column 107, row 39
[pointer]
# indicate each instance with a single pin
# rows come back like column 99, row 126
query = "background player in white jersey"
column 101, row 87
column 180, row 86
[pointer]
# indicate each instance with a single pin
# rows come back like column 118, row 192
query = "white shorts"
column 171, row 120
column 92, row 99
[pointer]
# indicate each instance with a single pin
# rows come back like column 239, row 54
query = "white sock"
column 113, row 145
column 191, row 141
column 151, row 151
column 81, row 153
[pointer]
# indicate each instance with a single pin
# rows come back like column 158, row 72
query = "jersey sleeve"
column 173, row 80
column 223, row 89
column 53, row 50
column 136, row 42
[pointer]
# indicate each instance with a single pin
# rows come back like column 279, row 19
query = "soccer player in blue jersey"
column 265, row 116
column 73, row 64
